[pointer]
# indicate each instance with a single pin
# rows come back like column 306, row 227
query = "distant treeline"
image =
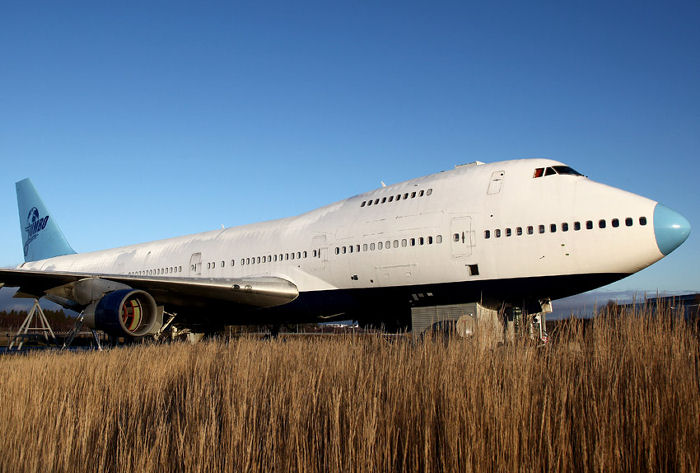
column 58, row 320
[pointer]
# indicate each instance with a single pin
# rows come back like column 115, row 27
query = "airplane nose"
column 671, row 229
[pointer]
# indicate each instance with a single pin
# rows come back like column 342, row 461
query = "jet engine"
column 124, row 313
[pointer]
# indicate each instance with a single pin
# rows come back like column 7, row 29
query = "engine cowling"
column 124, row 313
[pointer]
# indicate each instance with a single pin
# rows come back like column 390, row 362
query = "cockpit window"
column 566, row 170
column 550, row 171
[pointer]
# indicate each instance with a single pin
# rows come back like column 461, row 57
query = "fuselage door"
column 461, row 236
column 496, row 182
column 319, row 253
column 196, row 264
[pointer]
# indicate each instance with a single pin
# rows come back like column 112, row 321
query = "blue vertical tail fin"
column 41, row 236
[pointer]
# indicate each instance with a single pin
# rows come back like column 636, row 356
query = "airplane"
column 516, row 233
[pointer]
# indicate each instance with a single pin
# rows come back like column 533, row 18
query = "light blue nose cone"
column 670, row 228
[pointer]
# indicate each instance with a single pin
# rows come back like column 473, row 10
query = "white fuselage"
column 482, row 222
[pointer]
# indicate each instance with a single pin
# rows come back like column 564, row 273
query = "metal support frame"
column 76, row 329
column 27, row 330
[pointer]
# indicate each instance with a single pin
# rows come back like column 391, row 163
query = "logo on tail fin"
column 35, row 224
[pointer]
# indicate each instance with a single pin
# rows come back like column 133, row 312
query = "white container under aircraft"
column 511, row 233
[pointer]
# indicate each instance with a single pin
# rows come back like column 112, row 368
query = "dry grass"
column 622, row 395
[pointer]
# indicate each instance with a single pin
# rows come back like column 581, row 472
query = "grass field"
column 621, row 395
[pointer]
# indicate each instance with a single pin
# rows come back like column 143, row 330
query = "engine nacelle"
column 124, row 313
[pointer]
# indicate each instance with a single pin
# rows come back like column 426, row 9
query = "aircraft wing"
column 254, row 292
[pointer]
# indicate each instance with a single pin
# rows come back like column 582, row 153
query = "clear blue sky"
column 143, row 120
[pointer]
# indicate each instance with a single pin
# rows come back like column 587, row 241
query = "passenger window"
column 642, row 220
column 404, row 243
column 306, row 255
column 233, row 263
column 420, row 194
column 387, row 245
column 487, row 234
column 398, row 197
column 530, row 230
column 369, row 202
column 405, row 196
column 519, row 231
column 350, row 248
column 396, row 243
column 564, row 227
column 413, row 195
column 428, row 192
column 455, row 237
column 497, row 233
column 438, row 239
column 298, row 254
column 430, row 240
column 371, row 247
column 421, row 241
column 391, row 198
column 589, row 225
column 383, row 199
column 222, row 265
column 615, row 223
column 541, row 228
column 364, row 247
column 508, row 233
column 601, row 223
column 363, row 203
column 380, row 246
column 577, row 226
column 264, row 259
column 337, row 250
column 553, row 227
column 413, row 242
column 376, row 201
column 629, row 221
column 258, row 260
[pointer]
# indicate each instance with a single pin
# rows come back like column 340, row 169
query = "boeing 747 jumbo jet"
column 511, row 233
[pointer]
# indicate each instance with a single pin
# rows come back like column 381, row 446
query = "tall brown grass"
column 621, row 395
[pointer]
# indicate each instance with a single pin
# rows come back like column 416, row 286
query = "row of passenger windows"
column 222, row 264
column 564, row 227
column 385, row 245
column 279, row 257
column 157, row 271
column 268, row 258
column 397, row 197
